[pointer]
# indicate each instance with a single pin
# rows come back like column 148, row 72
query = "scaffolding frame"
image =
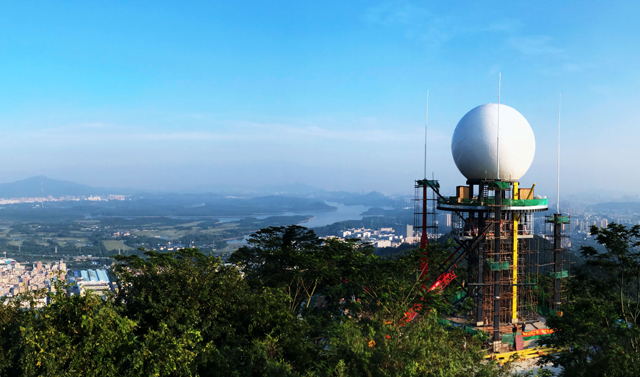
column 425, row 208
column 495, row 282
column 558, row 266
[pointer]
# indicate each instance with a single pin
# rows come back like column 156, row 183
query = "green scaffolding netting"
column 558, row 219
column 429, row 183
column 559, row 275
column 494, row 266
column 489, row 201
column 509, row 339
column 500, row 185
column 524, row 202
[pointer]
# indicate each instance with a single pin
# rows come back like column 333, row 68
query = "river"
column 320, row 218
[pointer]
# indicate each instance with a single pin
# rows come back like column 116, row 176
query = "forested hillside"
column 289, row 305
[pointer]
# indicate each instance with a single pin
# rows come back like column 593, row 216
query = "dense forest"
column 291, row 304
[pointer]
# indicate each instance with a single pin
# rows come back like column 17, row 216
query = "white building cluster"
column 584, row 226
column 38, row 200
column 16, row 278
column 383, row 237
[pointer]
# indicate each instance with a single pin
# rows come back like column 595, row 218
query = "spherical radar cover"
column 474, row 143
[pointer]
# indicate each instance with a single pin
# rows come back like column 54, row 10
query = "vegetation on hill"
column 289, row 305
column 599, row 329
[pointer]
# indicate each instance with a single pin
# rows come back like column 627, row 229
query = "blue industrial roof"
column 102, row 275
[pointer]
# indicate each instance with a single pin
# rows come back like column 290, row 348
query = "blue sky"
column 203, row 95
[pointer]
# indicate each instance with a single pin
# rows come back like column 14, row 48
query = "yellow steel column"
column 514, row 307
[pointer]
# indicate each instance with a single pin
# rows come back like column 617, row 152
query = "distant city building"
column 91, row 280
column 383, row 237
column 16, row 278
column 383, row 243
column 409, row 231
column 41, row 200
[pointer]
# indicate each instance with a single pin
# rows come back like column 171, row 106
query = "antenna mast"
column 425, row 137
column 498, row 138
column 559, row 112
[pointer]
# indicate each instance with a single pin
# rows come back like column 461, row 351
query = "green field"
column 112, row 245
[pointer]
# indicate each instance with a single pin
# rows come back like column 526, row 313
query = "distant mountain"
column 615, row 207
column 289, row 203
column 45, row 186
column 216, row 205
column 373, row 198
column 295, row 197
column 291, row 189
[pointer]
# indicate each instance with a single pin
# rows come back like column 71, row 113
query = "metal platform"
column 449, row 206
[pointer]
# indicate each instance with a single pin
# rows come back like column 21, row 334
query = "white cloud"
column 577, row 67
column 534, row 45
column 505, row 25
column 398, row 13
column 237, row 131
column 436, row 29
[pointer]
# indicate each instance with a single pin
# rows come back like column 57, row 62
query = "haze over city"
column 204, row 96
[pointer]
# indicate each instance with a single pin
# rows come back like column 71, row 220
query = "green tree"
column 292, row 305
column 74, row 335
column 422, row 347
column 360, row 304
column 288, row 258
column 599, row 326
column 239, row 332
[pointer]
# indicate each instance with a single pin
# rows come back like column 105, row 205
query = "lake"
column 320, row 218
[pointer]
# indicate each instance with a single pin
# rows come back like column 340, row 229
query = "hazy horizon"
column 192, row 96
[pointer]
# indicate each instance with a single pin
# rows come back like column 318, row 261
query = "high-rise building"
column 409, row 231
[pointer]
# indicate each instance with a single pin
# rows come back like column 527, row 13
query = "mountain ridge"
column 42, row 186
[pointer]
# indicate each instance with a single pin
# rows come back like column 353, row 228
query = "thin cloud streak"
column 534, row 45
column 434, row 29
column 240, row 132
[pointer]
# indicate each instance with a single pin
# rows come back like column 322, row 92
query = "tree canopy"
column 599, row 328
column 288, row 304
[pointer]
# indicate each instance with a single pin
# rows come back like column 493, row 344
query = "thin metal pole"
column 496, row 258
column 498, row 138
column 559, row 110
column 424, row 240
column 425, row 137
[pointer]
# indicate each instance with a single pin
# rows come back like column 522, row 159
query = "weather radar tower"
column 493, row 146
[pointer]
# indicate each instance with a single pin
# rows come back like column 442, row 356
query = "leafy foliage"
column 599, row 327
column 290, row 304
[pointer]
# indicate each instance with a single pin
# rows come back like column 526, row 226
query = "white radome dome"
column 474, row 143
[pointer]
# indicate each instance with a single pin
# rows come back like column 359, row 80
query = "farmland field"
column 111, row 245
